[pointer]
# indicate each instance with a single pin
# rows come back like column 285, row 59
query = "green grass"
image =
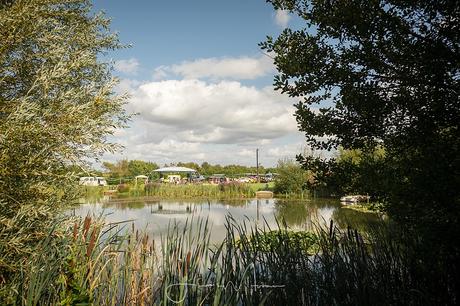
column 262, row 186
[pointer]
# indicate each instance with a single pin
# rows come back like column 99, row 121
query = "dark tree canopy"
column 380, row 73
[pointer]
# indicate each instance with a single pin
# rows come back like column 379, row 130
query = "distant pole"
column 257, row 164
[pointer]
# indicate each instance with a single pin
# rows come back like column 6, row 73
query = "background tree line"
column 130, row 168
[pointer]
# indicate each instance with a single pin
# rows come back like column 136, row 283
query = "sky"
column 199, row 84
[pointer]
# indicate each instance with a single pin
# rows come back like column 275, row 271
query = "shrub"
column 123, row 188
column 235, row 188
column 151, row 187
column 291, row 178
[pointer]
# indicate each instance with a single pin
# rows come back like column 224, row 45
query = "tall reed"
column 222, row 191
column 116, row 265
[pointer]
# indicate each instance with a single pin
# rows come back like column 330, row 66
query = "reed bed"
column 116, row 265
column 222, row 191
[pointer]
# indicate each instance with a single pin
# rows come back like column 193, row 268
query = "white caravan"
column 93, row 181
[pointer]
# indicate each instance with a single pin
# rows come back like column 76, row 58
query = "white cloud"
column 193, row 120
column 160, row 73
column 207, row 114
column 282, row 18
column 239, row 68
column 129, row 66
column 127, row 86
column 224, row 112
column 285, row 151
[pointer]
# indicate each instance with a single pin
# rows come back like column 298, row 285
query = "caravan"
column 93, row 181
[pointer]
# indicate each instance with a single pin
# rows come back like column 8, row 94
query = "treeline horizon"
column 129, row 168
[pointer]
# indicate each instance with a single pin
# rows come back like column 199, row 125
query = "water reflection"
column 359, row 220
column 155, row 215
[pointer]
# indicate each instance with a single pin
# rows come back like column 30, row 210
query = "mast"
column 257, row 164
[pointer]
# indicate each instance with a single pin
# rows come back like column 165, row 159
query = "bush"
column 291, row 178
column 234, row 188
column 123, row 188
column 151, row 187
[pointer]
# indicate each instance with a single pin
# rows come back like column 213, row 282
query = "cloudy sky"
column 199, row 83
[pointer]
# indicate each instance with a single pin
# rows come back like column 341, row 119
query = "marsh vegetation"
column 96, row 263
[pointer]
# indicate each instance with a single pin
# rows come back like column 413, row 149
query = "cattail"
column 92, row 242
column 75, row 231
column 86, row 226
column 145, row 240
column 187, row 262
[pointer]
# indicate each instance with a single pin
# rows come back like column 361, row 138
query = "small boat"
column 264, row 194
column 353, row 199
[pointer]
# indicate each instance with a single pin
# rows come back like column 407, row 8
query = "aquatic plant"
column 113, row 264
column 222, row 191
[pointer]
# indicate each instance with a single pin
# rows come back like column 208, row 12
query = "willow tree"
column 57, row 108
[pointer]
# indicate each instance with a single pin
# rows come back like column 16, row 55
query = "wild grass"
column 232, row 190
column 108, row 265
column 221, row 191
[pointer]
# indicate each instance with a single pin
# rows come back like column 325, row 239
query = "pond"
column 154, row 216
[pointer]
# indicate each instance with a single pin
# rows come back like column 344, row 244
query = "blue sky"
column 200, row 84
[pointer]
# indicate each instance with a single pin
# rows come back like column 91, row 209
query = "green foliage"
column 140, row 167
column 117, row 170
column 291, row 178
column 128, row 169
column 273, row 240
column 57, row 108
column 262, row 186
column 230, row 170
column 382, row 73
column 221, row 191
column 352, row 172
column 123, row 188
column 253, row 265
column 235, row 188
column 190, row 165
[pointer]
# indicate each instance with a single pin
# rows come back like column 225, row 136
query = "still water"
column 154, row 216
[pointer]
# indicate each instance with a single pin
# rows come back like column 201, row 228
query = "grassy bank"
column 186, row 191
column 190, row 191
column 94, row 263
